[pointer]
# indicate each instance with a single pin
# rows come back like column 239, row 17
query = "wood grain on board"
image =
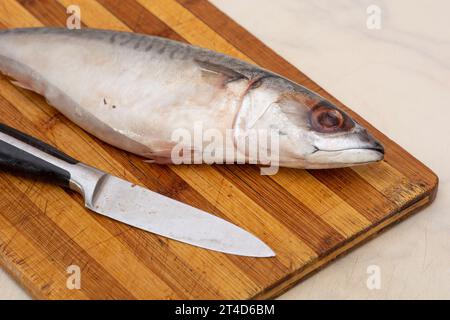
column 307, row 217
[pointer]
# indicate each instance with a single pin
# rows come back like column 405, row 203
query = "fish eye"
column 327, row 119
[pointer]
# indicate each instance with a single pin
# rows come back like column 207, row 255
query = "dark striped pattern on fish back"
column 147, row 43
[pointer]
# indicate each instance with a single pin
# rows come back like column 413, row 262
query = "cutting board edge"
column 23, row 283
column 349, row 246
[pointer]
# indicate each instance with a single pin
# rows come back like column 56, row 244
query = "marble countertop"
column 390, row 62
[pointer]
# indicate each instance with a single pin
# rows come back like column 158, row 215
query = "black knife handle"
column 25, row 155
column 19, row 153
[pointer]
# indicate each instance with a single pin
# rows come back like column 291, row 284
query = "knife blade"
column 123, row 201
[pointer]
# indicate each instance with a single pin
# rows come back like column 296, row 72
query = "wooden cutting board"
column 308, row 217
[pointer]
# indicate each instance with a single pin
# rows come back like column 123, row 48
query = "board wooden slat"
column 308, row 217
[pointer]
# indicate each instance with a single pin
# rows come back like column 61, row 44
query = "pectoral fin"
column 217, row 71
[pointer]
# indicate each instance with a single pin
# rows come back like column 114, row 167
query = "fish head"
column 312, row 132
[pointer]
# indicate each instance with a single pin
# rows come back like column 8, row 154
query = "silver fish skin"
column 134, row 91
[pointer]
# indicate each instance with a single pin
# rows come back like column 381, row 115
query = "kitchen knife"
column 123, row 201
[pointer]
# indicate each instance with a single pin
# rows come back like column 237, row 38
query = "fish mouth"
column 376, row 146
column 338, row 158
column 381, row 151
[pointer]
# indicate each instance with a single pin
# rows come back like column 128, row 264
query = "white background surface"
column 398, row 78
